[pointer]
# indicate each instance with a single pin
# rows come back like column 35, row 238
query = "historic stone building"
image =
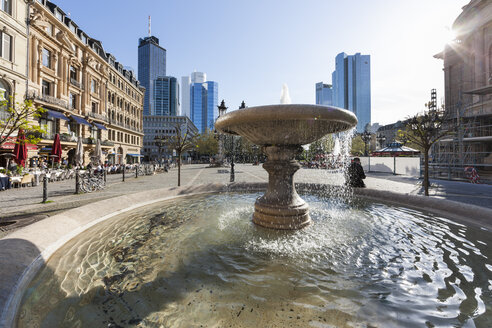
column 86, row 92
column 13, row 56
column 468, row 94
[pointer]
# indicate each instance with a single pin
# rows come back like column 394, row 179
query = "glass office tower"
column 166, row 96
column 324, row 94
column 203, row 104
column 151, row 65
column 352, row 86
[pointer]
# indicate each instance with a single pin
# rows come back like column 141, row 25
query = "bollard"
column 124, row 173
column 232, row 171
column 45, row 189
column 104, row 175
column 77, row 181
column 136, row 172
column 394, row 165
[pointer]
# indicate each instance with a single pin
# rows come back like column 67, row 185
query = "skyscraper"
column 203, row 104
column 324, row 94
column 185, row 96
column 166, row 96
column 151, row 65
column 352, row 86
column 186, row 82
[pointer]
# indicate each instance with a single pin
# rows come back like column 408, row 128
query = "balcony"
column 76, row 83
column 97, row 116
column 48, row 99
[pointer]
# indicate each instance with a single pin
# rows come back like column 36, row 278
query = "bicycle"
column 92, row 182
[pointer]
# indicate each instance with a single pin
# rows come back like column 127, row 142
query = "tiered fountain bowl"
column 281, row 130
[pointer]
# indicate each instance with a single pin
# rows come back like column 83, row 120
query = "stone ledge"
column 24, row 252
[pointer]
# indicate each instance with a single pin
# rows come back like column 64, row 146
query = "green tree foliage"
column 423, row 130
column 206, row 144
column 358, row 146
column 320, row 147
column 15, row 116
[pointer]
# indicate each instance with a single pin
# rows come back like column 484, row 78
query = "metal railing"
column 77, row 84
column 47, row 99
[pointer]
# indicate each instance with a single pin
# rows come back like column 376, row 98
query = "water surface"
column 200, row 262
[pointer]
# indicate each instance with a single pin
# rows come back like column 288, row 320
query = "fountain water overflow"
column 281, row 130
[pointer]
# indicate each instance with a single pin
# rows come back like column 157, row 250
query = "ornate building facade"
column 85, row 91
column 13, row 57
column 468, row 94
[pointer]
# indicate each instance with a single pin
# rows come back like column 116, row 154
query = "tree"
column 15, row 116
column 358, row 146
column 181, row 141
column 423, row 130
column 207, row 144
column 320, row 147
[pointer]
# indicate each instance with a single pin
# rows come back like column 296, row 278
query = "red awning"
column 10, row 145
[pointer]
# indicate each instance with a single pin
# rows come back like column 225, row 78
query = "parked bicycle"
column 90, row 182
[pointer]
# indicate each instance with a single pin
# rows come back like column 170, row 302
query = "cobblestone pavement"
column 23, row 205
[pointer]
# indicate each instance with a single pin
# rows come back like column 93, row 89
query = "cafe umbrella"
column 20, row 149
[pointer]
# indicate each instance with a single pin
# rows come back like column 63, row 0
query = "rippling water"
column 200, row 262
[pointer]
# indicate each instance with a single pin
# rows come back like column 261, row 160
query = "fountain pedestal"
column 281, row 207
column 281, row 130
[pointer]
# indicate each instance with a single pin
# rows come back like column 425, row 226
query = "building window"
column 46, row 58
column 94, row 87
column 94, row 107
column 59, row 15
column 4, row 95
column 73, row 74
column 6, row 5
column 46, row 88
column 73, row 101
column 6, row 46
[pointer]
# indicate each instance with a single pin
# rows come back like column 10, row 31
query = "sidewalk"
column 23, row 205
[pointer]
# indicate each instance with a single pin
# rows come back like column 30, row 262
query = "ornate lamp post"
column 366, row 137
column 222, row 110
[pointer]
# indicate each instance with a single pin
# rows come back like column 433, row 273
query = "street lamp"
column 381, row 139
column 366, row 137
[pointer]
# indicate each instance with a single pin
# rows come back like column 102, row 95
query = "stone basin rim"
column 67, row 225
column 284, row 112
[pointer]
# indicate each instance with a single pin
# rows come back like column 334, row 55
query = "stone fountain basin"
column 25, row 251
column 297, row 124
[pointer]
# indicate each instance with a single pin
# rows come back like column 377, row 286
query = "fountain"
column 282, row 130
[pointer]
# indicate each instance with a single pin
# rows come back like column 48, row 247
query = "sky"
column 252, row 47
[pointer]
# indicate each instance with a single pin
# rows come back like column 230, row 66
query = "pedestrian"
column 355, row 174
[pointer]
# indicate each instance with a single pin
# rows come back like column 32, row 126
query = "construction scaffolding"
column 470, row 143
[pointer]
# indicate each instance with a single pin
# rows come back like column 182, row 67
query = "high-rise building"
column 166, row 96
column 151, row 65
column 352, row 86
column 185, row 96
column 324, row 94
column 198, row 77
column 203, row 104
column 186, row 82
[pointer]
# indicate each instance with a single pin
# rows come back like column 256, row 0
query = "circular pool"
column 200, row 262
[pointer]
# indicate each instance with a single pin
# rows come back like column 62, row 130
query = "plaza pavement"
column 23, row 205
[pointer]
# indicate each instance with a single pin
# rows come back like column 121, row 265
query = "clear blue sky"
column 252, row 47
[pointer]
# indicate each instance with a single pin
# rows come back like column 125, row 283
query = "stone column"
column 34, row 62
column 39, row 62
column 281, row 207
